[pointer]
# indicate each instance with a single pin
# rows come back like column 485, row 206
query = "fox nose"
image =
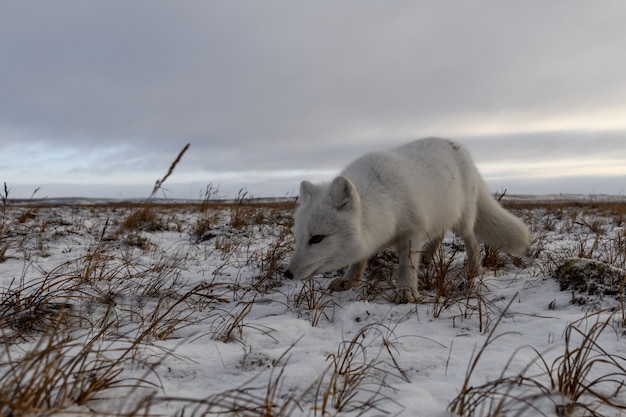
column 288, row 274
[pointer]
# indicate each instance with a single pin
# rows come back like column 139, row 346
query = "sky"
column 98, row 98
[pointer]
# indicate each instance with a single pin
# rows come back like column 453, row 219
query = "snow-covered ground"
column 181, row 309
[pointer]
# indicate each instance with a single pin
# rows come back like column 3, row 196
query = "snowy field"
column 123, row 309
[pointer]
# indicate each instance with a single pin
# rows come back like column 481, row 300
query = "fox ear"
column 306, row 190
column 343, row 194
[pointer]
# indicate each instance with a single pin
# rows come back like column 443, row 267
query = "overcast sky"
column 98, row 97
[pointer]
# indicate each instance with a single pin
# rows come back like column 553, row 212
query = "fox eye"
column 316, row 239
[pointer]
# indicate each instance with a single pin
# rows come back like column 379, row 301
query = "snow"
column 234, row 343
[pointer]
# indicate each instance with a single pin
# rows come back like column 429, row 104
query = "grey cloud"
column 286, row 85
column 227, row 69
column 550, row 146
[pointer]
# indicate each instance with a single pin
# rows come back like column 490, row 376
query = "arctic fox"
column 407, row 197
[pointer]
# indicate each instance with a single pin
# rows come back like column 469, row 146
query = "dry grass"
column 584, row 380
column 254, row 398
column 355, row 379
column 4, row 223
column 314, row 302
column 159, row 183
column 59, row 372
column 82, row 322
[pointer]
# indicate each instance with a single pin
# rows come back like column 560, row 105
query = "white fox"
column 406, row 197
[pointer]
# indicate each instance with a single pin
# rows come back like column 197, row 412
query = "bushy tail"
column 497, row 227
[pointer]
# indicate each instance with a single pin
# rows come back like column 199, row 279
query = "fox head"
column 327, row 228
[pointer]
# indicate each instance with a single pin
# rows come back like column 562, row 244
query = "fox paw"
column 341, row 284
column 407, row 295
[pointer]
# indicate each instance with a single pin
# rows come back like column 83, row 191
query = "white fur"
column 407, row 197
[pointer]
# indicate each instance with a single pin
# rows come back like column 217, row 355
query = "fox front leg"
column 350, row 279
column 407, row 272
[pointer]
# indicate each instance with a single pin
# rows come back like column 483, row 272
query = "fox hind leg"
column 472, row 248
column 431, row 247
column 465, row 229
